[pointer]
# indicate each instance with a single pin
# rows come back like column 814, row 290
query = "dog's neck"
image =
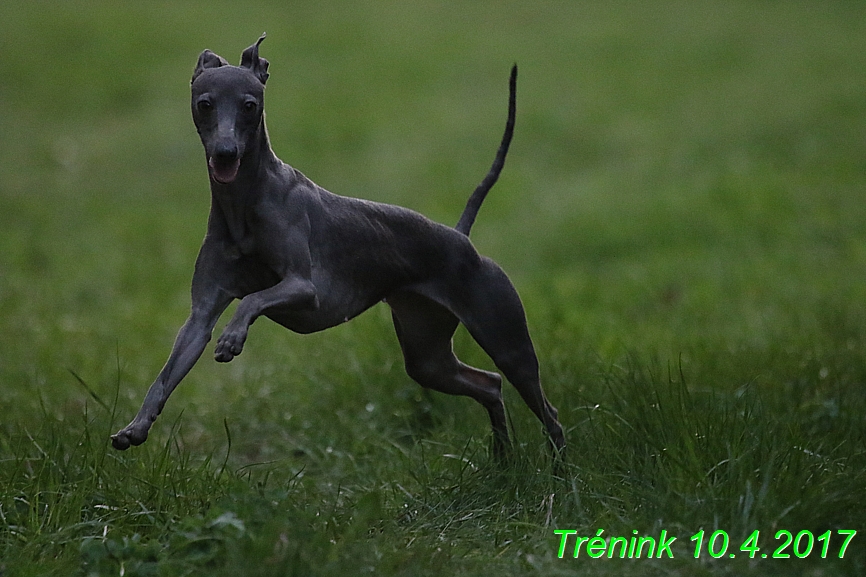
column 233, row 201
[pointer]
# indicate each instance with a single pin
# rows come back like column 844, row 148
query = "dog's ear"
column 250, row 59
column 208, row 59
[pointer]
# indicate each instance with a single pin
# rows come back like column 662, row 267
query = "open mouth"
column 224, row 173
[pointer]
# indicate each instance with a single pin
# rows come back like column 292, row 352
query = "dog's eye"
column 205, row 106
column 250, row 106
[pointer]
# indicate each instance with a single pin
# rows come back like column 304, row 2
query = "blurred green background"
column 686, row 184
column 682, row 171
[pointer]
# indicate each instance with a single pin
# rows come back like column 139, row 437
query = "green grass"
column 682, row 212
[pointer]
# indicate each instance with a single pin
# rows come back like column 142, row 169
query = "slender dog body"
column 309, row 260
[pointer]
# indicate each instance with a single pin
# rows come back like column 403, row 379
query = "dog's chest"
column 249, row 272
column 242, row 251
column 241, row 244
column 238, row 224
column 240, row 229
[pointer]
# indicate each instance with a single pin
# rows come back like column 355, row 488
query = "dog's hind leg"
column 424, row 330
column 489, row 307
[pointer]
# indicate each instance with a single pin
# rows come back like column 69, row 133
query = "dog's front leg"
column 188, row 347
column 290, row 293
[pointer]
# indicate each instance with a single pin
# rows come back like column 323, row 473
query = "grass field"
column 683, row 212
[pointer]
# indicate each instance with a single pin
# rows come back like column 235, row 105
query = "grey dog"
column 309, row 260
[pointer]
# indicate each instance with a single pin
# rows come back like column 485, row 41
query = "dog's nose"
column 225, row 152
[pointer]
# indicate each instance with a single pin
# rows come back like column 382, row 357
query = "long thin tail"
column 464, row 225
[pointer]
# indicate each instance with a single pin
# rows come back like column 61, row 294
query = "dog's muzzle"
column 222, row 171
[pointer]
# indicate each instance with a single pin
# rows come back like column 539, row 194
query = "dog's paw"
column 120, row 441
column 128, row 437
column 229, row 346
column 222, row 356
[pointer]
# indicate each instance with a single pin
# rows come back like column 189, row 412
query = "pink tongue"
column 224, row 174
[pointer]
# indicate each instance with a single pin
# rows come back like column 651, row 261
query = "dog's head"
column 227, row 107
